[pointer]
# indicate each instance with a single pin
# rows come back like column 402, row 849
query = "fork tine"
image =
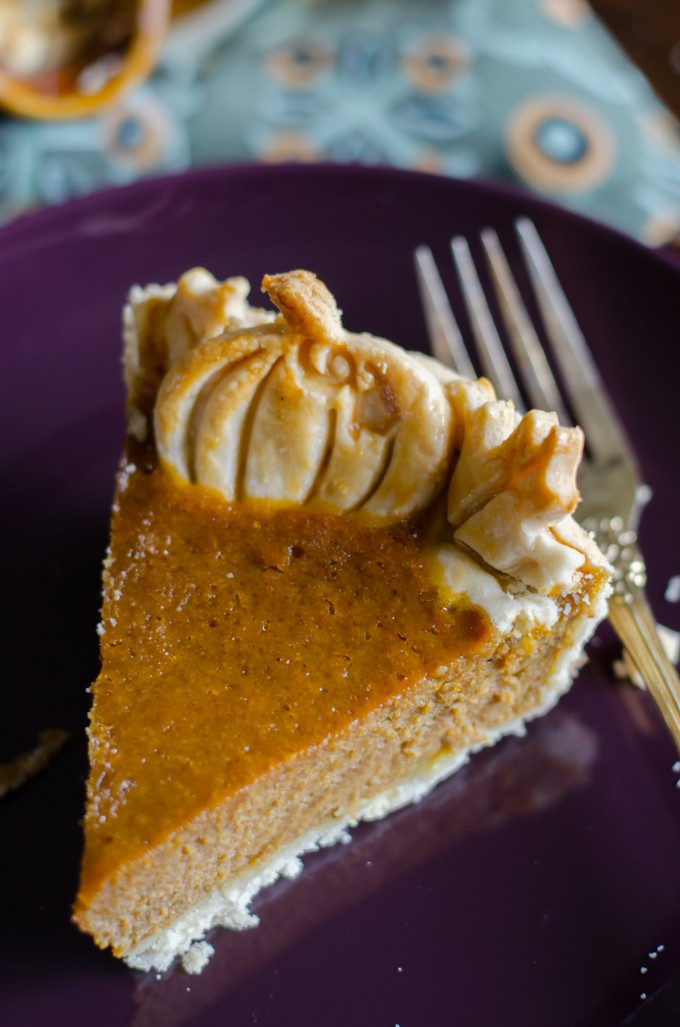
column 445, row 338
column 606, row 438
column 534, row 369
column 491, row 353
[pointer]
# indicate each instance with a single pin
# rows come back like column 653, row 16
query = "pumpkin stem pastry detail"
column 336, row 568
column 301, row 411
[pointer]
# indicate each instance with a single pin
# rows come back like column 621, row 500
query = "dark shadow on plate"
column 53, row 536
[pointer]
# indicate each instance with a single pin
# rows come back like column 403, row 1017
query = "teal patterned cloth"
column 533, row 92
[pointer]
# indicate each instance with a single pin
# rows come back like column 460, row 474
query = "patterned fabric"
column 526, row 91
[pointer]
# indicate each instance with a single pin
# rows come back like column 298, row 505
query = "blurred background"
column 577, row 101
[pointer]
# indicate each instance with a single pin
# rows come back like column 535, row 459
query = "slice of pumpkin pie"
column 336, row 568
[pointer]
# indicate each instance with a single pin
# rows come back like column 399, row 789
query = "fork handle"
column 635, row 625
column 631, row 617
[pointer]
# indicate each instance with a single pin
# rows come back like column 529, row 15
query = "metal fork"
column 612, row 488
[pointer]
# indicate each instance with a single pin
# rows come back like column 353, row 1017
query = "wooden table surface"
column 649, row 31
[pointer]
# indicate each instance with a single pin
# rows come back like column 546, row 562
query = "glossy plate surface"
column 537, row 887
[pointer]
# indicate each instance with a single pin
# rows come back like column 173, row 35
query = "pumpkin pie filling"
column 297, row 622
column 335, row 570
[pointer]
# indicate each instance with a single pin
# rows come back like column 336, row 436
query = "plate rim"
column 52, row 215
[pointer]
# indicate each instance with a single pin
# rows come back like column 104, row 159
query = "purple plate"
column 540, row 885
